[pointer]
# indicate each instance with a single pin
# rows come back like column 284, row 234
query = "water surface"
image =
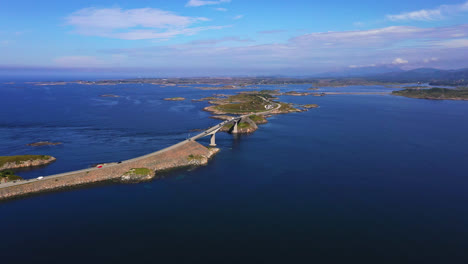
column 363, row 178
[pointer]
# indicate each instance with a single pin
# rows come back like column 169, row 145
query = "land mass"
column 435, row 93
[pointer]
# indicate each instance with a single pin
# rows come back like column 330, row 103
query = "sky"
column 231, row 37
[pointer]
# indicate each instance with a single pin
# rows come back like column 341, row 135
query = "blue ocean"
column 364, row 178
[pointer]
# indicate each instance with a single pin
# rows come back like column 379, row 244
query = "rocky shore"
column 24, row 161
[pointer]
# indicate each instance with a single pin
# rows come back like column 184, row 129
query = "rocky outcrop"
column 245, row 126
column 33, row 162
column 43, row 143
column 174, row 99
column 138, row 175
column 308, row 106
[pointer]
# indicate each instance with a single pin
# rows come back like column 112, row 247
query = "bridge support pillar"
column 213, row 140
column 234, row 130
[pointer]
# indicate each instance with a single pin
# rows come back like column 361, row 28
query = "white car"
column 40, row 177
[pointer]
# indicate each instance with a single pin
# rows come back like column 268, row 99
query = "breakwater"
column 183, row 154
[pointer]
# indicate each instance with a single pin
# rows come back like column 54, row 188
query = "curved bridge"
column 236, row 120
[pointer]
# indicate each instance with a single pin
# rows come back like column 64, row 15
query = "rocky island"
column 174, row 99
column 43, row 143
column 295, row 93
column 435, row 93
column 109, row 95
column 24, row 161
column 308, row 106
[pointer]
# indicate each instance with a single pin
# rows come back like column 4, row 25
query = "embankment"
column 188, row 153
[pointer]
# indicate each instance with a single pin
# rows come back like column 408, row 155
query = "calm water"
column 362, row 179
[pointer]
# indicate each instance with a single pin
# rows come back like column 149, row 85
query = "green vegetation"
column 435, row 93
column 227, row 127
column 243, row 125
column 194, row 157
column 9, row 175
column 285, row 107
column 19, row 159
column 138, row 171
column 241, row 103
column 258, row 119
column 269, row 92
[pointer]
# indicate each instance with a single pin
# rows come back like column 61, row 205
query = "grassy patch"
column 285, row 107
column 9, row 175
column 19, row 159
column 241, row 103
column 257, row 118
column 243, row 125
column 138, row 171
column 194, row 157
column 228, row 126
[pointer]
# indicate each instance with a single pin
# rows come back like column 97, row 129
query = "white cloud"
column 195, row 3
column 238, row 17
column 221, row 9
column 399, row 61
column 438, row 13
column 133, row 24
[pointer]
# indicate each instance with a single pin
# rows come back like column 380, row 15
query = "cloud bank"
column 438, row 13
column 134, row 24
column 403, row 46
column 196, row 3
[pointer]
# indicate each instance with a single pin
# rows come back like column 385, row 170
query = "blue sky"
column 230, row 37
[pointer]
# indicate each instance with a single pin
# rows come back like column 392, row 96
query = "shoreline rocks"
column 17, row 162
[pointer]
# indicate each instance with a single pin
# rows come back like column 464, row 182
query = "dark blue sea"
column 362, row 179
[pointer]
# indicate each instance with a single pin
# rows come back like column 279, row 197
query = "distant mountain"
column 426, row 75
column 362, row 71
